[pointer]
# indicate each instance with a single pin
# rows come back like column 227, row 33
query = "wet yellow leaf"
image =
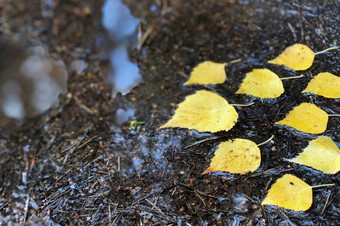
column 290, row 193
column 307, row 118
column 207, row 72
column 321, row 154
column 324, row 84
column 297, row 57
column 204, row 111
column 235, row 156
column 261, row 83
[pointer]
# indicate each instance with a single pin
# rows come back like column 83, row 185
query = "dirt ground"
column 73, row 165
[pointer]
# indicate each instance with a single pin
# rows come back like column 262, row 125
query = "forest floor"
column 74, row 165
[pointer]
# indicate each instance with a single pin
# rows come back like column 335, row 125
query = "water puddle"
column 123, row 115
column 121, row 29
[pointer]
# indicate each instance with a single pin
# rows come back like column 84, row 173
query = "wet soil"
column 74, row 165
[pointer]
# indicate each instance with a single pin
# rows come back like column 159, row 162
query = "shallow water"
column 121, row 29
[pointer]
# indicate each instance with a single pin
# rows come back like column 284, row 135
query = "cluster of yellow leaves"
column 206, row 111
column 292, row 193
column 264, row 83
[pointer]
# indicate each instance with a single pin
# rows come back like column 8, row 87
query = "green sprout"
column 134, row 123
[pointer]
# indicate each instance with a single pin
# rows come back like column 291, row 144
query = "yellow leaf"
column 297, row 57
column 235, row 156
column 204, row 111
column 207, row 73
column 261, row 83
column 321, row 154
column 307, row 118
column 290, row 193
column 324, row 84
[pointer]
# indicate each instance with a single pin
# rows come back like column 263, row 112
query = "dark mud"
column 75, row 165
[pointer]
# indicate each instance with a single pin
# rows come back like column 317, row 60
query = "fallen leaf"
column 297, row 57
column 235, row 156
column 321, row 154
column 291, row 193
column 204, row 111
column 324, row 84
column 261, row 83
column 207, row 72
column 307, row 118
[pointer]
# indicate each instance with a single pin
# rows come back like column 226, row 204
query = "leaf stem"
column 322, row 185
column 326, row 50
column 242, row 105
column 266, row 141
column 334, row 115
column 234, row 61
column 292, row 77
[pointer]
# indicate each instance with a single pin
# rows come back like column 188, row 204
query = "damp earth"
column 96, row 156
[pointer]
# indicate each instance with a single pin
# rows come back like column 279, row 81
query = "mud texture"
column 74, row 165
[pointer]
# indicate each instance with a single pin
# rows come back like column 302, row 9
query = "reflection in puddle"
column 117, row 19
column 138, row 163
column 241, row 202
column 121, row 27
column 123, row 116
column 29, row 84
column 125, row 74
column 146, row 154
column 78, row 65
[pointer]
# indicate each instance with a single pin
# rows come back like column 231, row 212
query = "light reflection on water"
column 123, row 115
column 118, row 21
column 121, row 27
column 125, row 74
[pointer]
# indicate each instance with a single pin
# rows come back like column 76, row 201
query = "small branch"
column 200, row 198
column 201, row 141
column 144, row 37
column 86, row 142
column 26, row 208
column 164, row 7
column 292, row 30
column 326, row 204
column 156, row 207
column 199, row 192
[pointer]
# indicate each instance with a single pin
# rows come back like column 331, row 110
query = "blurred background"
column 31, row 79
